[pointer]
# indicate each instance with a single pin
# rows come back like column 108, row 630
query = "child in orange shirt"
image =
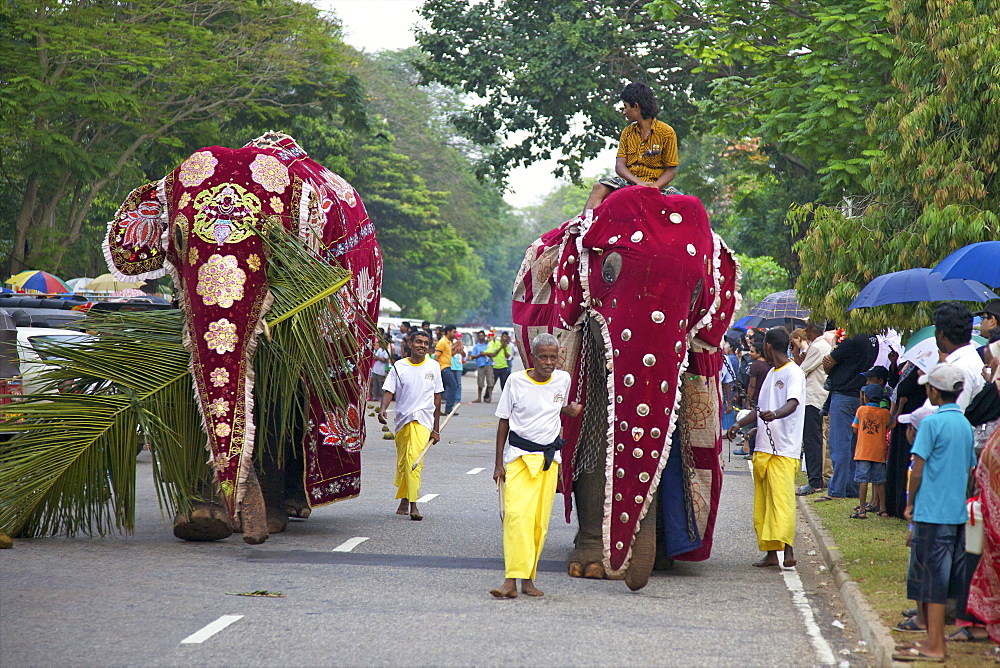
column 871, row 422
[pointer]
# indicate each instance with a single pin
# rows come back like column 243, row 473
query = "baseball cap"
column 873, row 392
column 877, row 372
column 917, row 415
column 992, row 307
column 944, row 377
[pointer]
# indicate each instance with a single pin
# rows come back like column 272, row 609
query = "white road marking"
column 204, row 634
column 474, row 471
column 823, row 650
column 350, row 544
column 426, row 497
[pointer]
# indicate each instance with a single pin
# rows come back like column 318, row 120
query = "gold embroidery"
column 253, row 261
column 197, row 168
column 221, row 336
column 225, row 214
column 221, row 281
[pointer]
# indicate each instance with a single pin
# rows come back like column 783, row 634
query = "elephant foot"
column 277, row 520
column 253, row 514
column 207, row 521
column 586, row 564
column 643, row 556
column 298, row 508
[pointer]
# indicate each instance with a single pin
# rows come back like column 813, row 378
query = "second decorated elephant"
column 640, row 297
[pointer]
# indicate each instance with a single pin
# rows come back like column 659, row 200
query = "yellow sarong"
column 528, row 496
column 774, row 500
column 410, row 442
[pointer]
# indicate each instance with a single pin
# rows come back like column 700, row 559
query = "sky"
column 376, row 25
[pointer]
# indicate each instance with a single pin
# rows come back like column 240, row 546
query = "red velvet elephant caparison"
column 201, row 224
column 639, row 298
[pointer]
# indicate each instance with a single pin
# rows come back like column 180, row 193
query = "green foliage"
column 933, row 180
column 90, row 86
column 548, row 73
column 761, row 277
column 801, row 77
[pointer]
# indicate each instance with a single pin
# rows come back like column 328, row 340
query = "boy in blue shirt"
column 943, row 457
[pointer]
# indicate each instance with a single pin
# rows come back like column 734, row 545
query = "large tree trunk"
column 21, row 225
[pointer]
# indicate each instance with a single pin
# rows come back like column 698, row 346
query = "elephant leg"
column 272, row 486
column 643, row 553
column 587, row 559
column 253, row 511
column 296, row 504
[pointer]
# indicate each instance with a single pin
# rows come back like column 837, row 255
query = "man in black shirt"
column 845, row 366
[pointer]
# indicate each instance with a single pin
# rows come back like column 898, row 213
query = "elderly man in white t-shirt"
column 415, row 383
column 776, row 457
column 527, row 460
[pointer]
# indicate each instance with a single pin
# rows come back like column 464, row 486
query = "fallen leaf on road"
column 839, row 624
column 260, row 593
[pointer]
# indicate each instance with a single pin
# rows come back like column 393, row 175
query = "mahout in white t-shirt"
column 414, row 387
column 780, row 385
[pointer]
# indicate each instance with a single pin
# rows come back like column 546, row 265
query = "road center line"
column 824, row 652
column 474, row 471
column 350, row 544
column 426, row 497
column 204, row 634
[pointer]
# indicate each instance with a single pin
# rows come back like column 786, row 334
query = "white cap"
column 944, row 377
column 917, row 415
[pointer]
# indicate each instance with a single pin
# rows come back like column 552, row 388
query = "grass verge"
column 875, row 555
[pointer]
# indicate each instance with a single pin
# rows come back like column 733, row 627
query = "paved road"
column 413, row 593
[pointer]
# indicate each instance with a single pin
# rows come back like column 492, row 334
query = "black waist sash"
column 530, row 446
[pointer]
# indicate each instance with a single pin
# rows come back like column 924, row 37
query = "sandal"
column 859, row 515
column 912, row 612
column 910, row 625
column 914, row 654
column 883, row 513
column 965, row 634
column 825, row 497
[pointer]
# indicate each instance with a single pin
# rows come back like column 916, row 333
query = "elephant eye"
column 611, row 267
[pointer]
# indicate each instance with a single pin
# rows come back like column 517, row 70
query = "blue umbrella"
column 918, row 285
column 978, row 262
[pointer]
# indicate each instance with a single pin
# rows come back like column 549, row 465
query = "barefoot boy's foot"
column 789, row 560
column 507, row 590
column 404, row 507
column 414, row 513
column 528, row 588
column 771, row 559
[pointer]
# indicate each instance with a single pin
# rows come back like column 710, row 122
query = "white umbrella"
column 77, row 284
column 386, row 305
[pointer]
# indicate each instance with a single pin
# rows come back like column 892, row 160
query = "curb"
column 881, row 644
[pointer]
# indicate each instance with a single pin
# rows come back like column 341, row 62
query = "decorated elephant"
column 278, row 274
column 639, row 297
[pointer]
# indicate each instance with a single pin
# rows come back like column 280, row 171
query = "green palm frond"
column 71, row 466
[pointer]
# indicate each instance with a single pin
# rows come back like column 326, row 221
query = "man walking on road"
column 527, row 460
column 484, row 368
column 415, row 384
column 779, row 442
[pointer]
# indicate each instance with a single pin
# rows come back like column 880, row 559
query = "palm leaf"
column 71, row 466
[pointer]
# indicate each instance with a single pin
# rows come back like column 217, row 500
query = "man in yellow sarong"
column 779, row 442
column 527, row 460
column 415, row 383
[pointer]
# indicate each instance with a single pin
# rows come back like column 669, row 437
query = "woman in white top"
column 527, row 460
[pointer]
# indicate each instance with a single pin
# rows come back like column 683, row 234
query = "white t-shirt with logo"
column 414, row 386
column 532, row 409
column 780, row 385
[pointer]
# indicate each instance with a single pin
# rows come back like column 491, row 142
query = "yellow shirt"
column 648, row 158
column 443, row 349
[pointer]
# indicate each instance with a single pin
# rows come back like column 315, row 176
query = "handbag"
column 985, row 406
